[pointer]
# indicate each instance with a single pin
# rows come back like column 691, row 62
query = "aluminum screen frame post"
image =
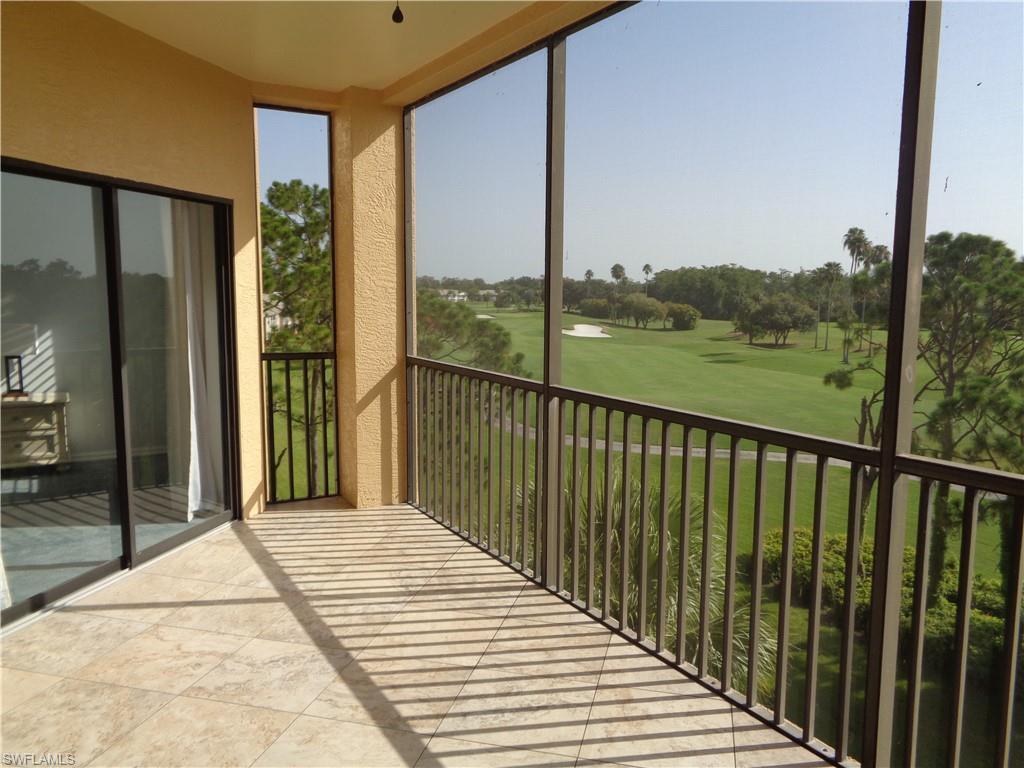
column 411, row 426
column 922, row 52
column 553, row 249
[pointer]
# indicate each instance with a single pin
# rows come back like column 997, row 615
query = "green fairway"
column 708, row 370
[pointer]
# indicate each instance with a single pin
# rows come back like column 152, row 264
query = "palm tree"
column 618, row 273
column 588, row 276
column 829, row 276
column 857, row 243
column 647, row 270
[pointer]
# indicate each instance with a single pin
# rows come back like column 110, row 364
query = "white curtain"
column 193, row 261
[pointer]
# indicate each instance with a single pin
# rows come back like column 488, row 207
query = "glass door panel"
column 59, row 508
column 172, row 340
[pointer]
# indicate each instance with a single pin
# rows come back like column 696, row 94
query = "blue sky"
column 707, row 133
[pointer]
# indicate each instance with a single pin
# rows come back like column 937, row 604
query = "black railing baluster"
column 574, row 550
column 560, row 498
column 848, row 629
column 704, row 641
column 756, row 571
column 606, row 579
column 305, row 427
column 501, row 468
column 288, row 423
column 730, row 563
column 919, row 609
column 682, row 586
column 272, row 452
column 323, row 416
column 524, row 500
column 968, row 532
column 785, row 588
column 666, row 455
column 814, row 614
column 645, row 524
column 591, row 512
column 490, row 465
column 538, row 479
column 625, row 528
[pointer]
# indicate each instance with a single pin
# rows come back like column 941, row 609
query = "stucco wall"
column 81, row 91
column 367, row 158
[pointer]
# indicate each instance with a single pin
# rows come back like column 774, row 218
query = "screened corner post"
column 922, row 52
column 409, row 276
column 553, row 255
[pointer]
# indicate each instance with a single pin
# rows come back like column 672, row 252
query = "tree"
column 298, row 285
column 647, row 270
column 972, row 345
column 588, row 278
column 447, row 330
column 598, row 308
column 747, row 321
column 642, row 309
column 782, row 314
column 829, row 277
column 619, row 275
column 858, row 245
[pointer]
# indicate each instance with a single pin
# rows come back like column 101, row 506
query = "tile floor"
column 352, row 638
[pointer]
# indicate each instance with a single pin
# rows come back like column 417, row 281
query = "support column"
column 369, row 273
column 901, row 363
column 553, row 236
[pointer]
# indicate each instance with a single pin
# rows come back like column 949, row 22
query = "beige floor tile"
column 758, row 745
column 266, row 673
column 443, row 752
column 203, row 561
column 533, row 713
column 451, row 637
column 487, row 592
column 538, row 604
column 231, row 609
column 64, row 641
column 627, row 666
column 549, row 649
column 313, row 741
column 20, row 686
column 193, row 732
column 162, row 658
column 142, row 596
column 407, row 694
column 343, row 623
column 77, row 717
column 651, row 728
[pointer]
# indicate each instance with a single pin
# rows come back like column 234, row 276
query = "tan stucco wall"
column 83, row 92
column 368, row 241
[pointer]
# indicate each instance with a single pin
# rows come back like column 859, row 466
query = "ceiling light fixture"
column 398, row 17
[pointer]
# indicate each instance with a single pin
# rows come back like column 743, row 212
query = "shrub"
column 684, row 317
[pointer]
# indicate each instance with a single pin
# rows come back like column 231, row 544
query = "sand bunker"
column 587, row 331
column 485, row 317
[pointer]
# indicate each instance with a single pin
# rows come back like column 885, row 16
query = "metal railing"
column 647, row 505
column 301, row 427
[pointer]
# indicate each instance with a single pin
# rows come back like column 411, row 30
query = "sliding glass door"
column 59, row 508
column 115, row 404
column 172, row 342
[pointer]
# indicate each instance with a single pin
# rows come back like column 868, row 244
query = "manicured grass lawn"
column 709, row 370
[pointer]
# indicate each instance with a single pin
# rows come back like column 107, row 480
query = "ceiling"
column 326, row 46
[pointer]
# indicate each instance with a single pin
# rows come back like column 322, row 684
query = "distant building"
column 273, row 318
column 451, row 294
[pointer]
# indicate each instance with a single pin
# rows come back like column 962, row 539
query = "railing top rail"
column 981, row 478
column 477, row 373
column 836, row 449
column 296, row 356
